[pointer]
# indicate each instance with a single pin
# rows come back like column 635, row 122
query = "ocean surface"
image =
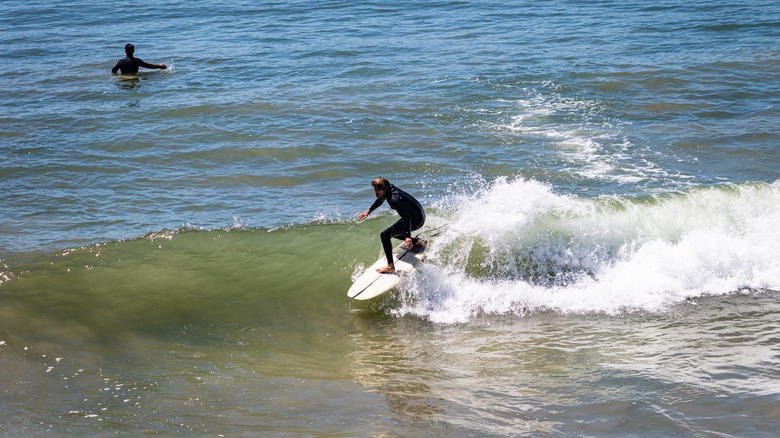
column 603, row 179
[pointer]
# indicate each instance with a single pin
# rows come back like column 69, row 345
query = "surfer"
column 129, row 64
column 412, row 218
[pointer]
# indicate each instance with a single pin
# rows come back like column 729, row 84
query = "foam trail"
column 586, row 141
column 516, row 247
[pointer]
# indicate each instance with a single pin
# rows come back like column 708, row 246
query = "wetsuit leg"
column 399, row 230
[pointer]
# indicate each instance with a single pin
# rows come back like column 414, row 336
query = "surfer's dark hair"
column 129, row 49
column 381, row 183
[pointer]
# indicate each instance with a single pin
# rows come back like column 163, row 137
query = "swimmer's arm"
column 147, row 65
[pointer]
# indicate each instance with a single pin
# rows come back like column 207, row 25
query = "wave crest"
column 516, row 246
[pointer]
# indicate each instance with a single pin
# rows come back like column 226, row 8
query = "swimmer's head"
column 129, row 49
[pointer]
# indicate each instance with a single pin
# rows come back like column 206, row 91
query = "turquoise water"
column 177, row 246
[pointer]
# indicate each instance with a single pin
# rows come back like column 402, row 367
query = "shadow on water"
column 136, row 81
column 390, row 356
column 128, row 82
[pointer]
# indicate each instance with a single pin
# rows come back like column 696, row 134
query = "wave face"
column 509, row 248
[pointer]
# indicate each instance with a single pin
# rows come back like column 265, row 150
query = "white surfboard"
column 372, row 284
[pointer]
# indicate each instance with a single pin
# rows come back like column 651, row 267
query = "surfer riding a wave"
column 412, row 218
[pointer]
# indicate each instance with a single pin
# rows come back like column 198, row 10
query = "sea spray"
column 517, row 246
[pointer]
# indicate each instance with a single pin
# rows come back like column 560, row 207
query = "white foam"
column 517, row 247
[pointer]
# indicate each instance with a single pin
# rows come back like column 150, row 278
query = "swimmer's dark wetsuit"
column 412, row 218
column 129, row 65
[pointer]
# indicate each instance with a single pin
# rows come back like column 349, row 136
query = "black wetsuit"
column 129, row 65
column 412, row 218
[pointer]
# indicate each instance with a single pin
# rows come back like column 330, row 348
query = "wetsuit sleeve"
column 144, row 64
column 376, row 204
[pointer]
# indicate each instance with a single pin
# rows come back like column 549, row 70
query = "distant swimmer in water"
column 412, row 218
column 129, row 64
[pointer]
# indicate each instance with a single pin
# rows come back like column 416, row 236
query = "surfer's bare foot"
column 409, row 242
column 389, row 269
